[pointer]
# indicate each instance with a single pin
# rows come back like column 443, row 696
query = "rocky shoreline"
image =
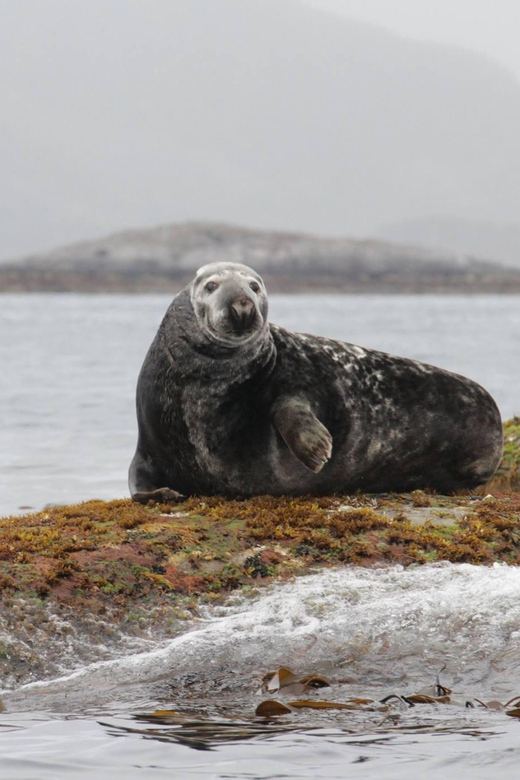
column 496, row 282
column 123, row 574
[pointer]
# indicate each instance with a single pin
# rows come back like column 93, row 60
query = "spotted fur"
column 263, row 410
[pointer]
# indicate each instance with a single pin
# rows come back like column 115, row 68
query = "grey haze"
column 261, row 112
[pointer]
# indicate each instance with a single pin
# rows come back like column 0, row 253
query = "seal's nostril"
column 242, row 304
column 242, row 313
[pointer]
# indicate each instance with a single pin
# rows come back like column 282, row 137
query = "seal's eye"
column 255, row 287
column 211, row 287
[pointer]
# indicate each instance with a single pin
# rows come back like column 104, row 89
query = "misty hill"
column 166, row 257
column 485, row 239
column 259, row 112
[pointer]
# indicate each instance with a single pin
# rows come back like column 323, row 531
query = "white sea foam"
column 385, row 626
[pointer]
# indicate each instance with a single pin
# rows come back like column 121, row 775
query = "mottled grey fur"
column 228, row 404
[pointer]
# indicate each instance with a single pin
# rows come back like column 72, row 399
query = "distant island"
column 164, row 259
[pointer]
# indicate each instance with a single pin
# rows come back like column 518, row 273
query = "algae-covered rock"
column 123, row 573
column 112, row 553
column 119, row 550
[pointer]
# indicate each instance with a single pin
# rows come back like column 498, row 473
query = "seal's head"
column 230, row 303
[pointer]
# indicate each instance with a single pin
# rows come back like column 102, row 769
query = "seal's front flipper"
column 307, row 438
column 161, row 496
column 142, row 480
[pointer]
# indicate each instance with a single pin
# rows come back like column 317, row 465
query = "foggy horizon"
column 131, row 116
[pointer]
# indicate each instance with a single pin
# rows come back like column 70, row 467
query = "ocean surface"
column 68, row 433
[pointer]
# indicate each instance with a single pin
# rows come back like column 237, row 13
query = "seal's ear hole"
column 211, row 287
column 255, row 287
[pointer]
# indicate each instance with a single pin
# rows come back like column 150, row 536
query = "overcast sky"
column 265, row 113
column 488, row 26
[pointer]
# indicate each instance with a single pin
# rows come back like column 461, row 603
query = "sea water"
column 70, row 365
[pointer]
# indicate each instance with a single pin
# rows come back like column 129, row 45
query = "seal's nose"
column 242, row 313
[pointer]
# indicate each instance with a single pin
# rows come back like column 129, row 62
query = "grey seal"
column 230, row 404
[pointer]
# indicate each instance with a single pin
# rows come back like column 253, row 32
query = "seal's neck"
column 192, row 353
